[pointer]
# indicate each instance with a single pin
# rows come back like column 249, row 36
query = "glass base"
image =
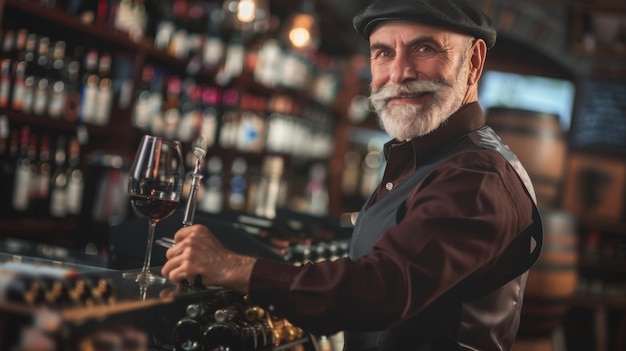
column 144, row 277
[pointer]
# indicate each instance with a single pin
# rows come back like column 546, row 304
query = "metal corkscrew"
column 199, row 150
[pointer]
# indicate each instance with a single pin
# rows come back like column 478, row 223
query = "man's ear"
column 477, row 60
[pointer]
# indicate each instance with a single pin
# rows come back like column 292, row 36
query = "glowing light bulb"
column 246, row 10
column 299, row 37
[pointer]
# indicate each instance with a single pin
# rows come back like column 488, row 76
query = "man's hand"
column 198, row 252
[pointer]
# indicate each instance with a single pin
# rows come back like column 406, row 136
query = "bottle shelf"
column 592, row 301
column 41, row 227
column 59, row 124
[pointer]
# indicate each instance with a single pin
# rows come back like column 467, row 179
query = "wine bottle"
column 210, row 115
column 104, row 98
column 171, row 114
column 89, row 87
column 190, row 111
column 21, row 289
column 8, row 41
column 75, row 181
column 251, row 128
column 229, row 120
column 71, row 105
column 6, row 78
column 19, row 78
column 57, row 83
column 58, row 183
column 20, row 43
column 234, row 60
column 30, row 53
column 238, row 185
column 41, row 182
column 9, row 149
column 141, row 113
column 85, row 10
column 188, row 334
column 23, row 174
column 269, row 187
column 224, row 336
column 212, row 196
column 214, row 47
column 42, row 57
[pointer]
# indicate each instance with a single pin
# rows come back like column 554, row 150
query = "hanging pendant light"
column 301, row 30
column 248, row 16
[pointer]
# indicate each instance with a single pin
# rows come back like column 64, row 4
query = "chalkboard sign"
column 600, row 121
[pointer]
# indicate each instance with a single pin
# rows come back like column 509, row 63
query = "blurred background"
column 279, row 89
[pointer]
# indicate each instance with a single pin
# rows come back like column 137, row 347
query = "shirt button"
column 389, row 186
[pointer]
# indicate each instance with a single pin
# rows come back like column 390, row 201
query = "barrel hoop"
column 543, row 180
column 554, row 267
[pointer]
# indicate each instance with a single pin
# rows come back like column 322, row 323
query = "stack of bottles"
column 44, row 78
column 40, row 174
column 230, row 322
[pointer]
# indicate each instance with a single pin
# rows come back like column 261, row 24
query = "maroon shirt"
column 457, row 222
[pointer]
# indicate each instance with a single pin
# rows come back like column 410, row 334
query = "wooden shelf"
column 584, row 36
column 22, row 228
column 603, row 265
column 60, row 124
column 592, row 301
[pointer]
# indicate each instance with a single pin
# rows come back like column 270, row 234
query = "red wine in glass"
column 154, row 189
column 153, row 206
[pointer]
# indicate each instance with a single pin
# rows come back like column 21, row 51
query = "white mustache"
column 382, row 96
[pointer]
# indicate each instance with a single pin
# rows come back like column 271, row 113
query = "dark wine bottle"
column 6, row 79
column 75, row 180
column 19, row 80
column 71, row 105
column 41, row 181
column 89, row 87
column 223, row 336
column 56, row 81
column 23, row 174
column 9, row 149
column 58, row 183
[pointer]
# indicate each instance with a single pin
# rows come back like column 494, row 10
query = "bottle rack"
column 118, row 137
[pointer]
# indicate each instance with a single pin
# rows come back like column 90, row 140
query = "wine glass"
column 154, row 189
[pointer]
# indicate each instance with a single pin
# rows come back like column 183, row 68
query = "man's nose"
column 402, row 69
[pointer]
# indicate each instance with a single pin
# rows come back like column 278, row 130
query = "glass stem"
column 148, row 257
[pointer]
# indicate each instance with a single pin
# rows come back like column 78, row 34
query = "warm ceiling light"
column 247, row 16
column 301, row 28
column 246, row 10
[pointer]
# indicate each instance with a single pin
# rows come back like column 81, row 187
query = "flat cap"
column 459, row 15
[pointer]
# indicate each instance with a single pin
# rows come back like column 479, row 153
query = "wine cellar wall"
column 81, row 82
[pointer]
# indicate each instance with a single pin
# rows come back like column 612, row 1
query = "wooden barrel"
column 536, row 344
column 552, row 280
column 539, row 142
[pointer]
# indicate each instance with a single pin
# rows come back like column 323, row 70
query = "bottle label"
column 75, row 192
column 55, row 108
column 58, row 196
column 89, row 100
column 21, row 192
column 103, row 111
column 41, row 98
column 18, row 94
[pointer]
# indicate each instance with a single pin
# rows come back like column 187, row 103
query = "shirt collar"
column 468, row 118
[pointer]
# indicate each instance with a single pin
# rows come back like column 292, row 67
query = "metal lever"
column 199, row 150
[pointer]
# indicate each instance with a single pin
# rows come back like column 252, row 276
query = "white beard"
column 404, row 122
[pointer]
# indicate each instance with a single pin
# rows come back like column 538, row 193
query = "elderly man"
column 440, row 251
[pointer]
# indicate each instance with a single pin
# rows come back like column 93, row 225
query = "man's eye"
column 424, row 49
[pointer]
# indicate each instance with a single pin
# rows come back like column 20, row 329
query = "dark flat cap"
column 458, row 15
